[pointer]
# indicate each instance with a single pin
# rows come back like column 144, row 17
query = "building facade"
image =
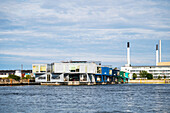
column 65, row 72
column 161, row 69
column 154, row 70
column 23, row 73
column 84, row 72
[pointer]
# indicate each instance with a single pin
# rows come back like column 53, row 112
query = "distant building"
column 154, row 70
column 160, row 69
column 6, row 73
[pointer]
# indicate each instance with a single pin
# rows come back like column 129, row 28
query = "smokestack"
column 159, row 50
column 157, row 59
column 128, row 54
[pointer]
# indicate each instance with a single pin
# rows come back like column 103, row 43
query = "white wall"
column 83, row 67
column 18, row 73
column 4, row 76
column 155, row 71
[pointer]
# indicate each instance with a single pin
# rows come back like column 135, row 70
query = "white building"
column 160, row 69
column 65, row 72
column 154, row 70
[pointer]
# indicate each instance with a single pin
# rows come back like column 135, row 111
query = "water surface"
column 100, row 98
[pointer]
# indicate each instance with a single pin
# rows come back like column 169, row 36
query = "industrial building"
column 77, row 71
column 160, row 69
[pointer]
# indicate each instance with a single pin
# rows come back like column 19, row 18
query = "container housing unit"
column 65, row 72
column 104, row 74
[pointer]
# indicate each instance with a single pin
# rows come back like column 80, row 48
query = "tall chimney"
column 159, row 50
column 157, row 58
column 128, row 53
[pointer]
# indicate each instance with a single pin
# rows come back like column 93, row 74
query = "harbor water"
column 93, row 99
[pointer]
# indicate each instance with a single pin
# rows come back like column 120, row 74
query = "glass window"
column 42, row 77
column 99, row 70
column 55, row 76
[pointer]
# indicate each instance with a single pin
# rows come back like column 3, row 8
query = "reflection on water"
column 99, row 98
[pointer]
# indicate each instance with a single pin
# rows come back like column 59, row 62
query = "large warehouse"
column 160, row 69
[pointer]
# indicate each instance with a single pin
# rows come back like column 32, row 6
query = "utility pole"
column 21, row 70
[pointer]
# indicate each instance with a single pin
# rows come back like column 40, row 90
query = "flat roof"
column 28, row 71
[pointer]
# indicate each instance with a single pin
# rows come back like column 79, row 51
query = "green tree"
column 14, row 77
column 149, row 76
column 134, row 76
column 164, row 76
column 115, row 68
column 159, row 77
column 143, row 74
column 28, row 77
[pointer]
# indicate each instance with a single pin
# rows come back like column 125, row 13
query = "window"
column 41, row 78
column 72, row 70
column 43, row 68
column 55, row 76
column 77, row 70
column 110, row 72
column 35, row 68
column 99, row 70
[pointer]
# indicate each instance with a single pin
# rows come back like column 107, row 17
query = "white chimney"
column 157, row 57
column 128, row 54
column 159, row 50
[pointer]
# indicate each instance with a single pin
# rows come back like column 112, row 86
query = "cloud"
column 88, row 30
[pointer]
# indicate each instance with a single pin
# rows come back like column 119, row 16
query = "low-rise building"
column 65, row 72
column 81, row 71
column 161, row 69
column 6, row 73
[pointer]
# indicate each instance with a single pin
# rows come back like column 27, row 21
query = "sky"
column 46, row 31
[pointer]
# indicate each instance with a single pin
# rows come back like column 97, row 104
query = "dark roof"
column 7, row 71
column 74, row 62
column 26, row 71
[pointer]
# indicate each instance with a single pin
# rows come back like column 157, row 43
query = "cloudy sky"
column 46, row 31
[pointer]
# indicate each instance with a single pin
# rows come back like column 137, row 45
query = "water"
column 99, row 98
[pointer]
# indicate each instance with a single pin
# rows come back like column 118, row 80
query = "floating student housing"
column 77, row 73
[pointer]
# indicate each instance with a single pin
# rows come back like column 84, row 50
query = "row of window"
column 6, row 73
column 53, row 77
column 151, row 70
column 156, row 77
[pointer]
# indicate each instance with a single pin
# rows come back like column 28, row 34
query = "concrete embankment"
column 76, row 83
column 150, row 81
column 9, row 82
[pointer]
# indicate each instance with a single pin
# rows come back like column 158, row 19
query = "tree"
column 149, row 76
column 134, row 76
column 28, row 77
column 159, row 77
column 14, row 77
column 115, row 68
column 143, row 74
column 164, row 76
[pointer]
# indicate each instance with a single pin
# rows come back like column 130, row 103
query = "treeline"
column 19, row 78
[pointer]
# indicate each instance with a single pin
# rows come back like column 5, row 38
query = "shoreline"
column 163, row 81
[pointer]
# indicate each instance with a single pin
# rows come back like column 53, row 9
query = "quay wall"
column 163, row 81
column 4, row 82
